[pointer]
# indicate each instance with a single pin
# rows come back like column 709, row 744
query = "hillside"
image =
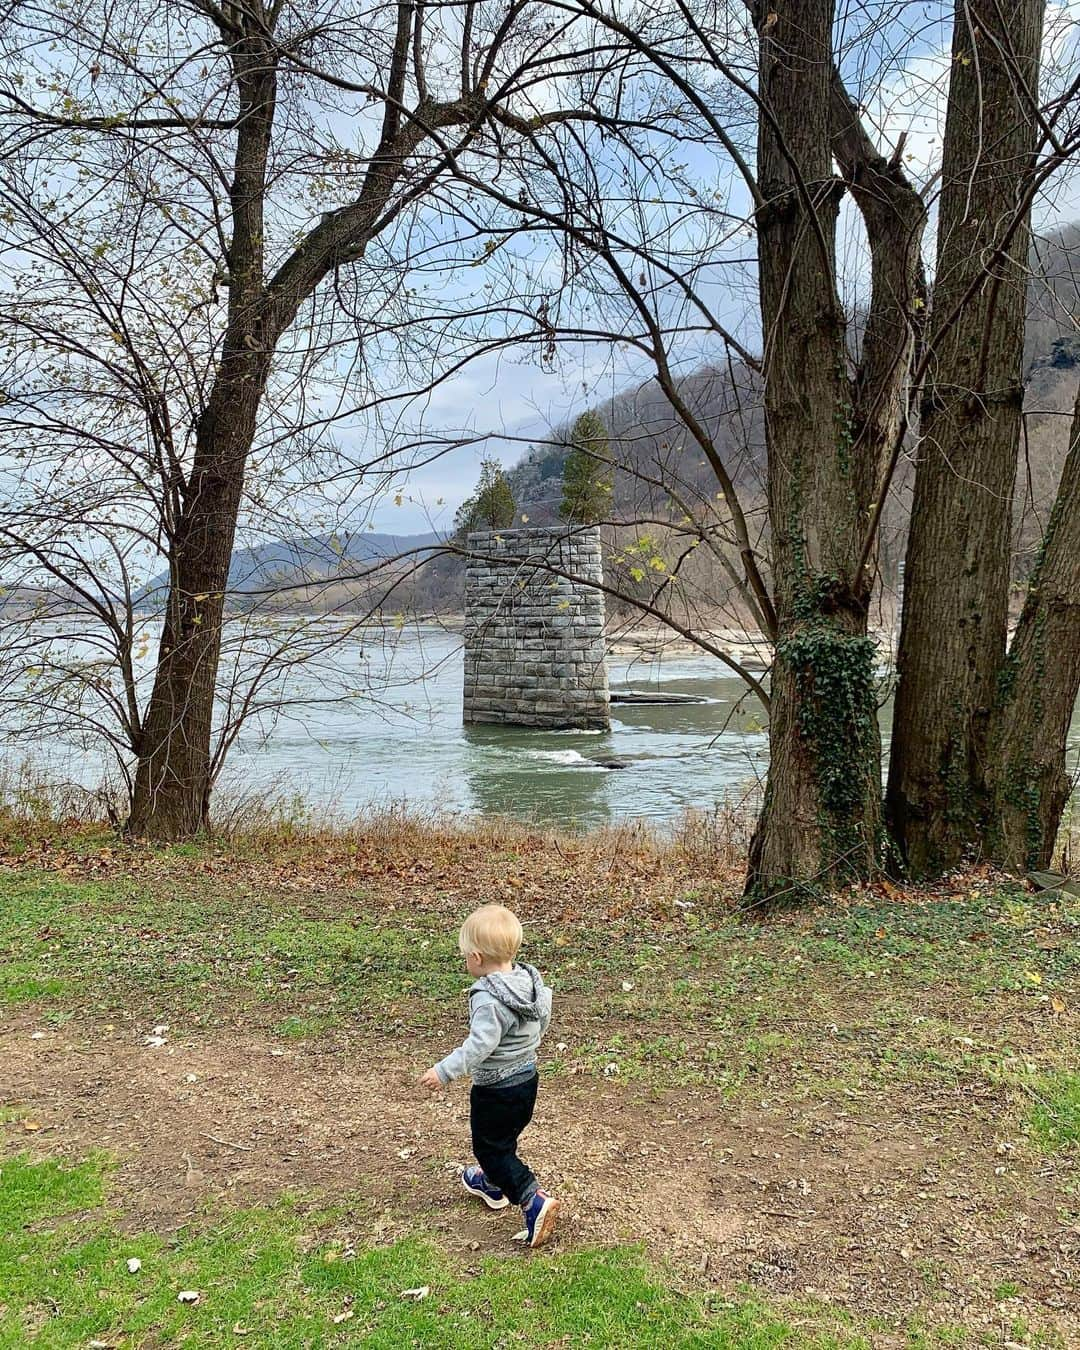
column 661, row 473
column 650, row 443
column 660, row 470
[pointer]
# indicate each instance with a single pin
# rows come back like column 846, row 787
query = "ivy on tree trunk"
column 821, row 815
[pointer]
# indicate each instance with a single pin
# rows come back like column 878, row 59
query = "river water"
column 407, row 744
column 400, row 739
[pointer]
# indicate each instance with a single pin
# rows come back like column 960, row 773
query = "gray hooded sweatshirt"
column 507, row 1016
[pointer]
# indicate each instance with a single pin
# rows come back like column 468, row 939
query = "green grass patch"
column 295, row 1028
column 265, row 1277
column 864, row 997
column 1054, row 1116
column 983, row 941
column 20, row 984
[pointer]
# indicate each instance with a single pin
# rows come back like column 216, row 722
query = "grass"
column 275, row 1277
column 962, row 1000
column 1054, row 1117
column 858, row 998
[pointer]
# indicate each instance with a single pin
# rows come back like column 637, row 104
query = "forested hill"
column 658, row 460
column 649, row 441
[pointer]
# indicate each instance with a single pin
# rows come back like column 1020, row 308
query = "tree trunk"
column 820, row 820
column 172, row 781
column 1038, row 690
column 955, row 616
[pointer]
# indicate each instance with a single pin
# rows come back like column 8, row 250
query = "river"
column 407, row 743
column 402, row 741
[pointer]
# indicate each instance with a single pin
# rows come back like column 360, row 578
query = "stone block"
column 533, row 641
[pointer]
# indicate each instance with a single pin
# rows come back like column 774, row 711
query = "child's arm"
column 485, row 1033
column 545, row 1011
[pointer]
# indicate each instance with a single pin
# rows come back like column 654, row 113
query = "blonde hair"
column 492, row 930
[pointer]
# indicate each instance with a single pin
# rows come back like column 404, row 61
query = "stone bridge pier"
column 534, row 639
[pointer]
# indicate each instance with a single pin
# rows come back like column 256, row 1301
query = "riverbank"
column 852, row 1125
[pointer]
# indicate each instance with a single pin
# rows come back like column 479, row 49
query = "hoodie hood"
column 521, row 990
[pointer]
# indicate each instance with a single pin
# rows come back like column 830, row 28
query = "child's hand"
column 431, row 1081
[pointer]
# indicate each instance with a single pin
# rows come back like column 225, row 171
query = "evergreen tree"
column 491, row 506
column 587, row 483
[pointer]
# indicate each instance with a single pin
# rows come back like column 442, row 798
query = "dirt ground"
column 912, row 1213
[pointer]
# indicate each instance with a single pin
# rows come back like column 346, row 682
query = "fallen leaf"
column 134, row 1265
column 416, row 1294
column 239, row 1330
column 31, row 1126
column 1058, row 1005
column 1033, row 977
column 188, row 1296
column 343, row 1316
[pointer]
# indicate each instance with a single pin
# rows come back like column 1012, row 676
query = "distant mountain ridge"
column 317, row 557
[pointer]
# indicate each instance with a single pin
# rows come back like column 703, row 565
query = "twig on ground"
column 227, row 1143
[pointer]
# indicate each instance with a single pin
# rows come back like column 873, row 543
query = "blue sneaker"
column 476, row 1183
column 540, row 1215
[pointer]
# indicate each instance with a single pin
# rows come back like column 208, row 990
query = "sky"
column 505, row 400
column 512, row 400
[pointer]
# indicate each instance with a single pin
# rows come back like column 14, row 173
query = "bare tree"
column 836, row 429
column 964, row 773
column 953, row 634
column 833, row 426
column 189, row 161
column 829, row 438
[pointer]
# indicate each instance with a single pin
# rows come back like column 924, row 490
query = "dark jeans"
column 497, row 1116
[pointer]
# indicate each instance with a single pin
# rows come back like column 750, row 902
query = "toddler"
column 509, row 1011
